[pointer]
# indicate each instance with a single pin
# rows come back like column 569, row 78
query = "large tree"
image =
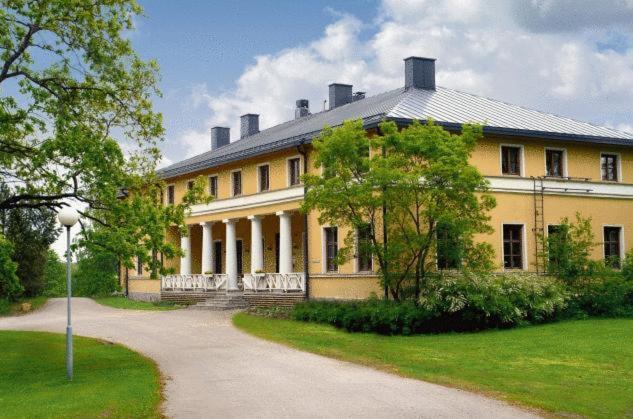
column 413, row 186
column 70, row 83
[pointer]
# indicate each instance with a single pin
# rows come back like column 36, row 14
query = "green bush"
column 448, row 303
column 10, row 287
column 96, row 274
column 627, row 266
column 54, row 275
column 608, row 294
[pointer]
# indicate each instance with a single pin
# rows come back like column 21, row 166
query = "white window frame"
column 521, row 156
column 296, row 156
column 217, row 189
column 167, row 193
column 241, row 183
column 619, row 167
column 622, row 244
column 357, row 258
column 259, row 183
column 524, row 245
column 564, row 150
column 324, row 250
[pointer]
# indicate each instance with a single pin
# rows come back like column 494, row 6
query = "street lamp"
column 68, row 217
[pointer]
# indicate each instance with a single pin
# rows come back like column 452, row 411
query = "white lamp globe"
column 68, row 216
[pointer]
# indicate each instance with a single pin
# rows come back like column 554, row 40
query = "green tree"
column 10, row 287
column 55, row 275
column 420, row 178
column 96, row 273
column 568, row 248
column 71, row 82
column 32, row 231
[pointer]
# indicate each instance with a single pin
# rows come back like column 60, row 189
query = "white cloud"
column 511, row 51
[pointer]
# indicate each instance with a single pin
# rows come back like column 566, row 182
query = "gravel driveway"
column 214, row 370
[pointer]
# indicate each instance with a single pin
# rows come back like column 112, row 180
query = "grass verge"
column 110, row 380
column 122, row 302
column 12, row 309
column 582, row 367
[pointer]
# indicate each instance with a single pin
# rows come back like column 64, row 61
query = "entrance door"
column 238, row 249
column 277, row 252
column 217, row 252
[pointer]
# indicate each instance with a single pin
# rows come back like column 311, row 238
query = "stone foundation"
column 144, row 296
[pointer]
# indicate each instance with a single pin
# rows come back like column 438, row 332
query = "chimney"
column 358, row 96
column 249, row 124
column 302, row 109
column 419, row 73
column 220, row 136
column 340, row 94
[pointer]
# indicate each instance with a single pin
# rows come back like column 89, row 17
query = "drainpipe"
column 127, row 282
column 301, row 148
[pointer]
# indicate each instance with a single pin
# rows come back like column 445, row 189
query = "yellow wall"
column 144, row 285
column 582, row 160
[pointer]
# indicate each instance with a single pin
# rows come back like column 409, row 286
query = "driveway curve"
column 214, row 370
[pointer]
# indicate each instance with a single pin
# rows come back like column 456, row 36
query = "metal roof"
column 447, row 107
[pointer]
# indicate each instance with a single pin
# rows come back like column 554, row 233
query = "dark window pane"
column 213, row 186
column 331, row 248
column 513, row 246
column 294, row 171
column 190, row 185
column 554, row 162
column 510, row 160
column 237, row 183
column 264, row 182
column 170, row 194
column 447, row 248
column 612, row 246
column 364, row 249
column 609, row 167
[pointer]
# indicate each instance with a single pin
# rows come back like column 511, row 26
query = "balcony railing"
column 194, row 282
column 294, row 281
column 290, row 282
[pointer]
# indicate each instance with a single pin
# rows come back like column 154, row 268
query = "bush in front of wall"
column 447, row 303
column 606, row 293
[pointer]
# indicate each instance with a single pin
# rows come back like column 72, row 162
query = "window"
column 365, row 263
column 139, row 266
column 294, row 171
column 264, row 178
column 447, row 248
column 554, row 163
column 331, row 248
column 609, row 166
column 236, row 178
column 190, row 185
column 612, row 246
column 170, row 194
column 213, row 186
column 511, row 160
column 513, row 246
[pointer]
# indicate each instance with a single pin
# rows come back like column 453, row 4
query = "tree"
column 10, row 287
column 73, row 82
column 54, row 275
column 96, row 273
column 32, row 231
column 421, row 177
column 568, row 248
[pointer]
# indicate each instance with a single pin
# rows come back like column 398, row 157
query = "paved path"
column 214, row 370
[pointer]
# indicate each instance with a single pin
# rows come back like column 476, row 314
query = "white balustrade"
column 294, row 281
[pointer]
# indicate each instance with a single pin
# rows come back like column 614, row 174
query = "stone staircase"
column 222, row 301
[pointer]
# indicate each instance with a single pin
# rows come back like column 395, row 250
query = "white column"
column 231, row 255
column 257, row 245
column 185, row 259
column 207, row 241
column 285, row 243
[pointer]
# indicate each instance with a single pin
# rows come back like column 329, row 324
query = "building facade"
column 252, row 237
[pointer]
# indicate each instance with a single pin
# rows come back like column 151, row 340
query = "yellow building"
column 252, row 238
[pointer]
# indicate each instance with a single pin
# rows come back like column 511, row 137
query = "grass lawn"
column 110, row 380
column 11, row 309
column 122, row 302
column 583, row 367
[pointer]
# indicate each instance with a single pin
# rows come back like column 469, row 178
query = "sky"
column 222, row 59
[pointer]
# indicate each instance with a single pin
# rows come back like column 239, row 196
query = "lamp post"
column 68, row 217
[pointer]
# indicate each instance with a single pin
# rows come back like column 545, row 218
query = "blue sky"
column 220, row 59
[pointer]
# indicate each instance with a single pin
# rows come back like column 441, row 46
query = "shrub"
column 54, row 275
column 627, row 266
column 608, row 293
column 455, row 303
column 96, row 274
column 10, row 287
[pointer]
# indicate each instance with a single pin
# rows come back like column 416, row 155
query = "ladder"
column 539, row 222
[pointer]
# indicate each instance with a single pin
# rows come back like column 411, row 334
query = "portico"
column 262, row 251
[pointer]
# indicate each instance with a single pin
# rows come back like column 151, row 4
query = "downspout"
column 301, row 149
column 127, row 282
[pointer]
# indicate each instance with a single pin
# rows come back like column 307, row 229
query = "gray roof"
column 450, row 108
